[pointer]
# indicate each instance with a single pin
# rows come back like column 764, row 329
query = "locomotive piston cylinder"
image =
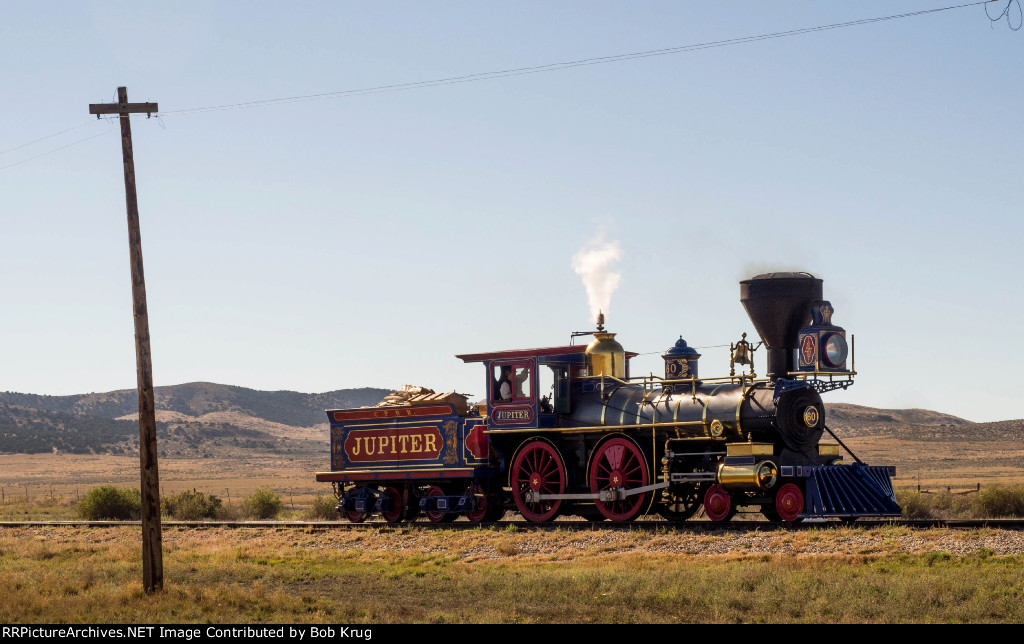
column 750, row 477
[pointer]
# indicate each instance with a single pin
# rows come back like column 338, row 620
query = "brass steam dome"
column 605, row 356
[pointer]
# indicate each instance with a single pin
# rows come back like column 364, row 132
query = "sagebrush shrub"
column 111, row 503
column 192, row 506
column 323, row 508
column 997, row 501
column 1001, row 501
column 263, row 504
column 915, row 505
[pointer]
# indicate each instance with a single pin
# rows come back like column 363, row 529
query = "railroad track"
column 650, row 526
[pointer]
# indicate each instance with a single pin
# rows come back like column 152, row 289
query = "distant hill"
column 32, row 431
column 198, row 398
column 197, row 419
column 917, row 424
column 855, row 420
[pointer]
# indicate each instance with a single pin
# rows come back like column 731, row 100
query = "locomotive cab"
column 529, row 388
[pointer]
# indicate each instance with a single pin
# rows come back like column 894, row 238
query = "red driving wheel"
column 618, row 464
column 789, row 502
column 718, row 503
column 538, row 468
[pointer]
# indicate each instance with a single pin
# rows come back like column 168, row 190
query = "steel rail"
column 653, row 524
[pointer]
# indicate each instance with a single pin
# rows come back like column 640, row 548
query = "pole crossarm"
column 123, row 108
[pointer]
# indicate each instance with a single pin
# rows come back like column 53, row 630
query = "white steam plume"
column 594, row 263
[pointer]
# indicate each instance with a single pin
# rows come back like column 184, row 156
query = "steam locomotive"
column 567, row 430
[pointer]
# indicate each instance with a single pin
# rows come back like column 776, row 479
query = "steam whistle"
column 600, row 320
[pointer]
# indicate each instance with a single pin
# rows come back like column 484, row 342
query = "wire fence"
column 949, row 490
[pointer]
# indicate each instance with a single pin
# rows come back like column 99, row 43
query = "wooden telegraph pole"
column 152, row 551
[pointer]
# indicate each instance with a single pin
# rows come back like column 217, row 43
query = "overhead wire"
column 706, row 346
column 1005, row 13
column 469, row 78
column 43, row 138
column 537, row 69
column 63, row 147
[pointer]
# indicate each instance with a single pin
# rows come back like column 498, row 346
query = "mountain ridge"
column 198, row 419
column 196, row 398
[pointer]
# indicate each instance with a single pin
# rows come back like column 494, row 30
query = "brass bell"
column 741, row 352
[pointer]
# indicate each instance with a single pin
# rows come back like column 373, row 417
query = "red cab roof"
column 513, row 354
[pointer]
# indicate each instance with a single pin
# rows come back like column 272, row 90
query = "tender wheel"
column 538, row 468
column 435, row 516
column 718, row 504
column 789, row 502
column 397, row 511
column 353, row 515
column 356, row 517
column 483, row 503
column 683, row 502
column 619, row 463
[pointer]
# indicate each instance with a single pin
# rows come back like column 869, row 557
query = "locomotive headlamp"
column 835, row 350
column 822, row 345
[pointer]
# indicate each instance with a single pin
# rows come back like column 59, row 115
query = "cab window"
column 553, row 388
column 511, row 382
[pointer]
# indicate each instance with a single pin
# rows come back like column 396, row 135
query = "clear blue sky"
column 365, row 240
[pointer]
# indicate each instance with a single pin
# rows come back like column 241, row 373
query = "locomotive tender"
column 566, row 430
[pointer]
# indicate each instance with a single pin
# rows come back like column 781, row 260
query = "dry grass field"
column 71, row 475
column 937, row 464
column 406, row 575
